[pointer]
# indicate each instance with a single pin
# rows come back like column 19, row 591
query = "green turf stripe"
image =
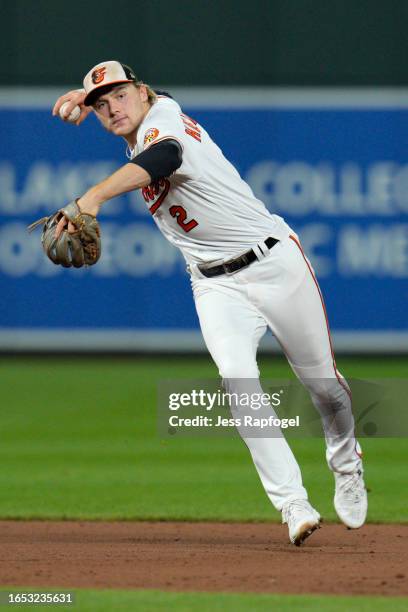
column 97, row 454
column 158, row 601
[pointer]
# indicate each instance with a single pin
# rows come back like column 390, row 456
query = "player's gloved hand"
column 77, row 242
column 86, row 208
column 74, row 98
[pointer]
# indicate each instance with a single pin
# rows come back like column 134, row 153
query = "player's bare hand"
column 62, row 224
column 73, row 98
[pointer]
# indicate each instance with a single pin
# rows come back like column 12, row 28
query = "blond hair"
column 151, row 96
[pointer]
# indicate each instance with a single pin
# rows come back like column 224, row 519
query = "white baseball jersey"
column 204, row 208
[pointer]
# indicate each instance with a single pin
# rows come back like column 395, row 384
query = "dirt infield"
column 203, row 557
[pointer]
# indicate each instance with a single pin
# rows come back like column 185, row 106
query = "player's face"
column 122, row 110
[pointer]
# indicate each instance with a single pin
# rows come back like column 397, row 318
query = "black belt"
column 233, row 265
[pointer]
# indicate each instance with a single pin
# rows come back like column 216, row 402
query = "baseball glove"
column 82, row 248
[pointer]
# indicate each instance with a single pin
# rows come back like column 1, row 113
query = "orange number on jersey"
column 181, row 215
column 178, row 212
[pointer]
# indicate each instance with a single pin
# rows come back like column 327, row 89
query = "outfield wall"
column 332, row 162
column 233, row 42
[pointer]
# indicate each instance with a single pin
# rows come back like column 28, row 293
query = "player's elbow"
column 160, row 160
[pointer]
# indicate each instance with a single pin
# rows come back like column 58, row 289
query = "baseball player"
column 248, row 272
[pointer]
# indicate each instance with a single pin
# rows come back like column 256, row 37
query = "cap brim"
column 91, row 97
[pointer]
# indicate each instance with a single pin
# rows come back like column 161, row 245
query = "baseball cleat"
column 350, row 499
column 301, row 518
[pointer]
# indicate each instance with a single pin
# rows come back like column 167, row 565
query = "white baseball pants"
column 279, row 291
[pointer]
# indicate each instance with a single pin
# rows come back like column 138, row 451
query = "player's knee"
column 231, row 370
column 328, row 392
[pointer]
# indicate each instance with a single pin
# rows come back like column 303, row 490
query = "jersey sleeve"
column 165, row 122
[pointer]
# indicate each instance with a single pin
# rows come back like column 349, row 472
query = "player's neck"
column 131, row 139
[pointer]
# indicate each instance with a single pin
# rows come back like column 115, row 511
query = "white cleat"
column 301, row 518
column 350, row 499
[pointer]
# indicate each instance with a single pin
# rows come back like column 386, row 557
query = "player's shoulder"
column 164, row 113
column 162, row 121
column 164, row 106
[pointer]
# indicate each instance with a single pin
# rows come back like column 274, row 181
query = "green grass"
column 99, row 456
column 157, row 601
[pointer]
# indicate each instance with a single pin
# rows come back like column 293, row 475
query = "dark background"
column 212, row 42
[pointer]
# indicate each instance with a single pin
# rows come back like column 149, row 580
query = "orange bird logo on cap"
column 98, row 75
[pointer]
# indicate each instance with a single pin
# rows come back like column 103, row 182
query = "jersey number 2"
column 180, row 214
column 177, row 212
